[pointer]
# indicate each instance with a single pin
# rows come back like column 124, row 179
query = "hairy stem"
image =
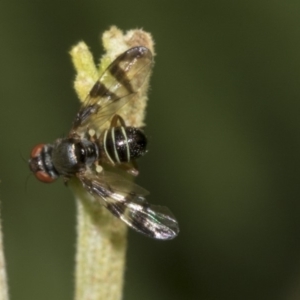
column 101, row 237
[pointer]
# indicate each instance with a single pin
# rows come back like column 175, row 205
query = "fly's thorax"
column 122, row 144
column 72, row 155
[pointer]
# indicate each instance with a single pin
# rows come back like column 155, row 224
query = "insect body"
column 80, row 153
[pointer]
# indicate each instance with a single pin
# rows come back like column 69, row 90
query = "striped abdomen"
column 123, row 144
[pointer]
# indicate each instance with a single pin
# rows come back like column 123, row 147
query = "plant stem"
column 101, row 237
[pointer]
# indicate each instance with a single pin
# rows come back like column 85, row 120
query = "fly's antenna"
column 26, row 182
column 29, row 175
column 23, row 158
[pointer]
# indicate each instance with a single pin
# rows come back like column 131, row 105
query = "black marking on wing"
column 84, row 114
column 117, row 209
column 125, row 200
column 100, row 90
column 121, row 77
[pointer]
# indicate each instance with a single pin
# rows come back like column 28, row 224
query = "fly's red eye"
column 44, row 177
column 37, row 150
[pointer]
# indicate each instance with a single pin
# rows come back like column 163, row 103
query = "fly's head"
column 40, row 163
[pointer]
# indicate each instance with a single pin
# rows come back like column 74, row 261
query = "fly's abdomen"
column 123, row 144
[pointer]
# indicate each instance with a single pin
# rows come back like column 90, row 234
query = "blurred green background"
column 223, row 124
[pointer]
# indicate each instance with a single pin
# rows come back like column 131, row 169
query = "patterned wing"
column 120, row 81
column 125, row 200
